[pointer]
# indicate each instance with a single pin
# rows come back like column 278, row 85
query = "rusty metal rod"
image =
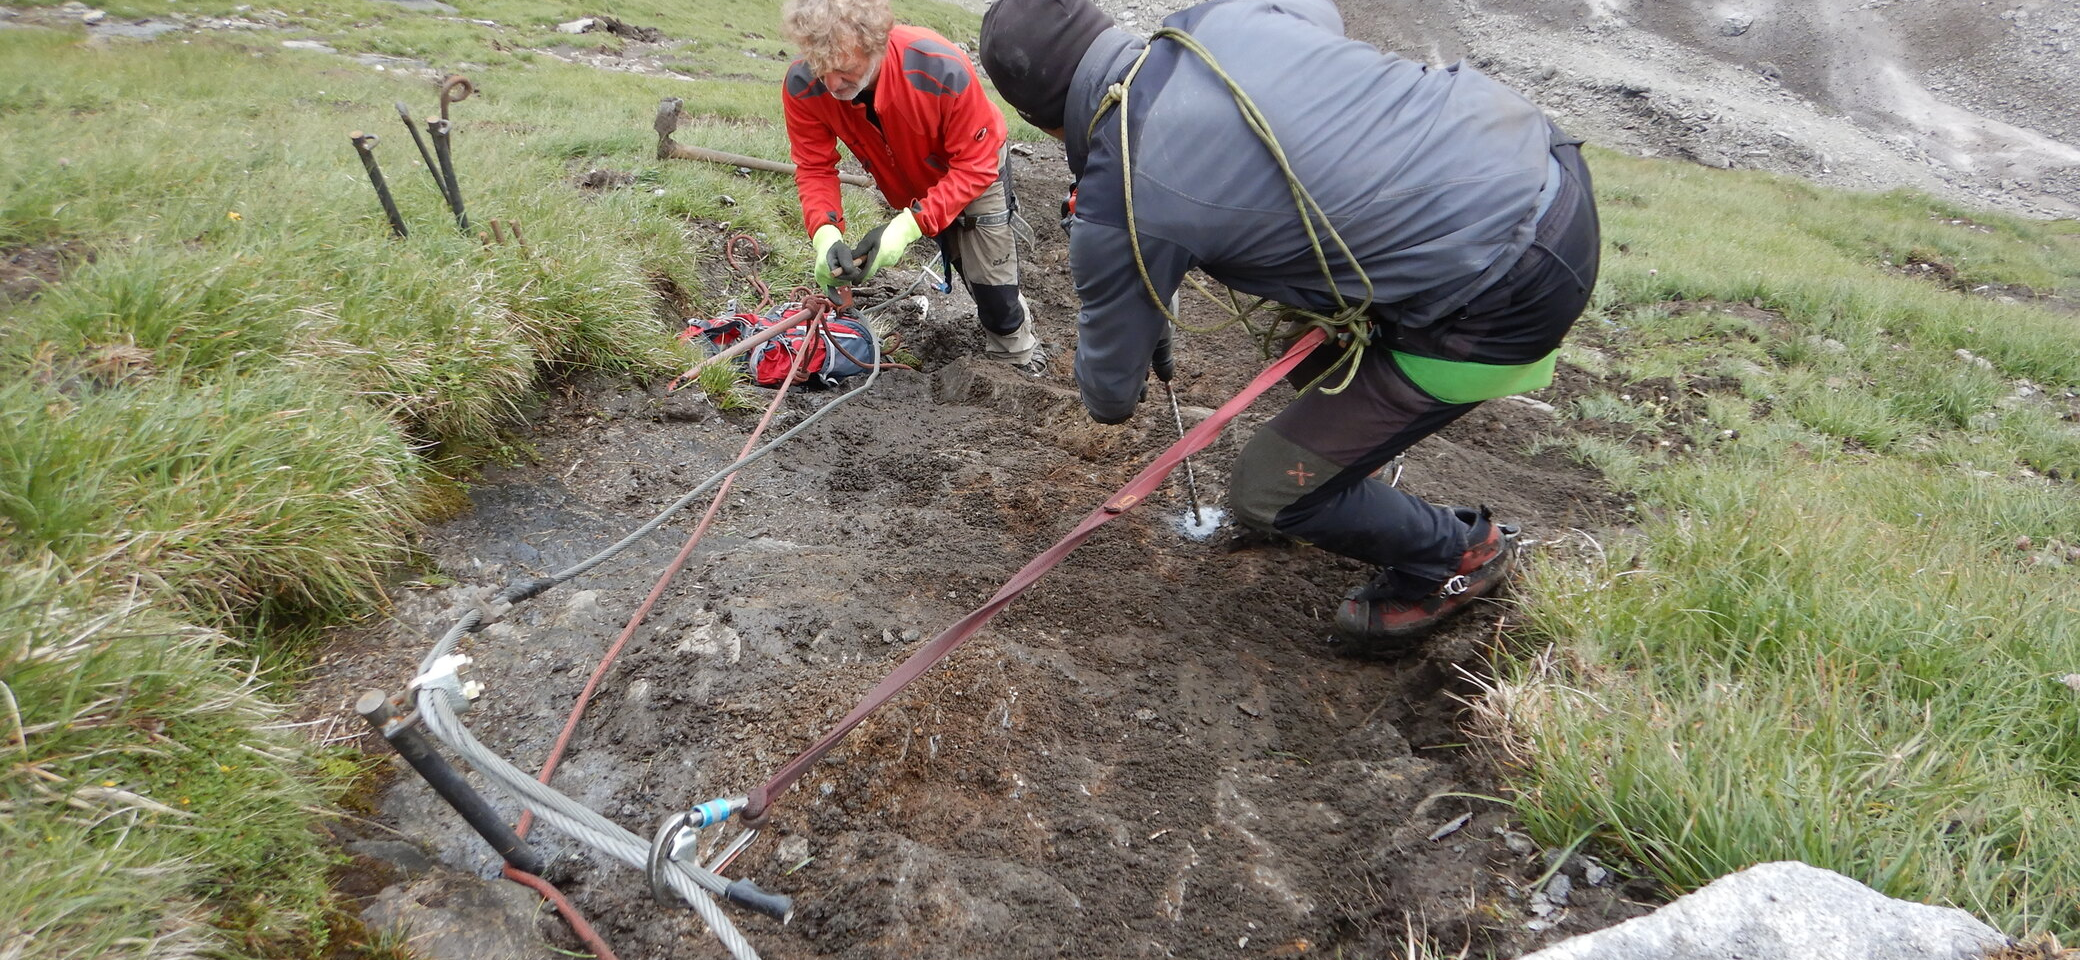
column 678, row 151
column 364, row 144
column 404, row 113
column 449, row 87
column 406, row 738
column 437, row 128
column 671, row 110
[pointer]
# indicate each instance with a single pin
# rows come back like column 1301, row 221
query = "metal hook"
column 449, row 86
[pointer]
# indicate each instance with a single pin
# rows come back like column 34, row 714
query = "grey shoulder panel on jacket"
column 935, row 68
column 801, row 82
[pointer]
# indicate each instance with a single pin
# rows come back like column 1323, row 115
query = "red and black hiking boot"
column 1371, row 615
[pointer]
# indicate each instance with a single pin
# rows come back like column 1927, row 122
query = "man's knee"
column 998, row 308
column 1270, row 475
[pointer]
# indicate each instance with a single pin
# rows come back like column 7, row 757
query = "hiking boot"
column 1372, row 614
column 1034, row 366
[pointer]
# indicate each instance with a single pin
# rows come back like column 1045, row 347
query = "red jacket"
column 935, row 151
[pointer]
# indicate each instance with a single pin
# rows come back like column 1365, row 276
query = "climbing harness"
column 1350, row 325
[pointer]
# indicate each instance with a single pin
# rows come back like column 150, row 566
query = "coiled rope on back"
column 1350, row 324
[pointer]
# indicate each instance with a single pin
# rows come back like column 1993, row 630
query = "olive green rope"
column 1349, row 324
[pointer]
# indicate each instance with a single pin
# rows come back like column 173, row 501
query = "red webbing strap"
column 1136, row 490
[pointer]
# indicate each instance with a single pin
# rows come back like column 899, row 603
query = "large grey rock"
column 1787, row 911
column 448, row 915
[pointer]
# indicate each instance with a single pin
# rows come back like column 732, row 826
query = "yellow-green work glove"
column 834, row 260
column 884, row 245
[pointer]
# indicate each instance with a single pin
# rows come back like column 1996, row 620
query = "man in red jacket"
column 907, row 104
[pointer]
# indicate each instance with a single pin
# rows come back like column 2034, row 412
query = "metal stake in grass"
column 437, row 128
column 1191, row 482
column 440, row 186
column 364, row 144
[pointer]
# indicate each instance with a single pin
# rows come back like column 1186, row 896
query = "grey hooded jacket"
column 1433, row 177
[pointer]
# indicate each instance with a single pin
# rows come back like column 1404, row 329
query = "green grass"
column 1826, row 641
column 152, row 807
column 220, row 429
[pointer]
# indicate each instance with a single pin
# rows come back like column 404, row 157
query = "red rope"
column 1144, row 483
column 750, row 274
column 815, row 307
column 579, row 925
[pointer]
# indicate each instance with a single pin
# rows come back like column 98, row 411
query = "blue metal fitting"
column 715, row 811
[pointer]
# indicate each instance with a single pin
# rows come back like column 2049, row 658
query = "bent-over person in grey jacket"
column 1465, row 208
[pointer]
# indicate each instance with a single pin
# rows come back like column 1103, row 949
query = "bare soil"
column 1158, row 751
column 25, row 271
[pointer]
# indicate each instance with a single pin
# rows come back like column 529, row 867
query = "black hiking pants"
column 1308, row 474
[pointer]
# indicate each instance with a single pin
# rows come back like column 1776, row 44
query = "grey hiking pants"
column 1308, row 473
column 981, row 245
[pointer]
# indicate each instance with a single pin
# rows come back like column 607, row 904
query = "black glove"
column 1068, row 209
column 1161, row 362
column 844, row 266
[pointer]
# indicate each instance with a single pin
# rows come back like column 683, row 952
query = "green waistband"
column 1464, row 381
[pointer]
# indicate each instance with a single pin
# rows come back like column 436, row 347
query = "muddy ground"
column 1158, row 751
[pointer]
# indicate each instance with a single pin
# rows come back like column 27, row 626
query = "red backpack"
column 845, row 348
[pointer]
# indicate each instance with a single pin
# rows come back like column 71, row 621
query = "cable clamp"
column 445, row 676
column 673, row 835
column 679, row 831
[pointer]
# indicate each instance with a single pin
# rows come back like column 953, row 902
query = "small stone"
column 576, row 26
column 1559, row 889
column 1594, row 874
column 1452, row 827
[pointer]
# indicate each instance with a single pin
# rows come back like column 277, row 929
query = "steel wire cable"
column 572, row 818
column 581, row 823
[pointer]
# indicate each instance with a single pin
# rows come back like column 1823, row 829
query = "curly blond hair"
column 828, row 31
